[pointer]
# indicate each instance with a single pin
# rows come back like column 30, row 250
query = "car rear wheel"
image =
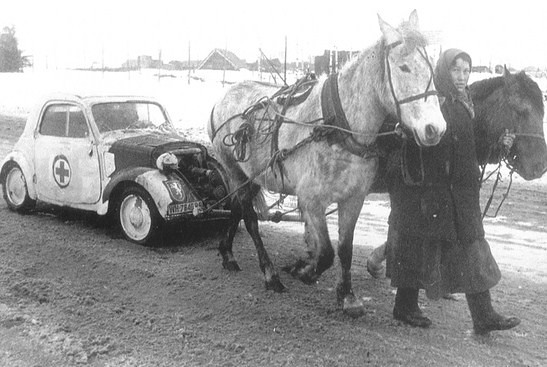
column 15, row 190
column 138, row 216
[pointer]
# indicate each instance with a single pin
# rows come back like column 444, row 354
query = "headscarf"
column 443, row 79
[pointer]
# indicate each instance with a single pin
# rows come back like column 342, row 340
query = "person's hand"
column 399, row 131
column 507, row 140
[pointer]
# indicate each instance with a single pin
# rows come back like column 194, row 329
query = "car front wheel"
column 138, row 216
column 15, row 190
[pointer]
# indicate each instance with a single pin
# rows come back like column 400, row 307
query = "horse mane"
column 481, row 89
column 531, row 89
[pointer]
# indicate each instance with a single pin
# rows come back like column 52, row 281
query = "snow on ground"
column 188, row 103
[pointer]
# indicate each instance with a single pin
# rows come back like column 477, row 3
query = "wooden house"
column 219, row 59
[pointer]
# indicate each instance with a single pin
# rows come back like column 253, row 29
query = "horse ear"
column 413, row 20
column 390, row 34
column 506, row 71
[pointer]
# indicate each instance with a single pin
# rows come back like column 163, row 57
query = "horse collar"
column 333, row 115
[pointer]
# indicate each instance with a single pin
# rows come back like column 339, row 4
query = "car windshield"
column 129, row 115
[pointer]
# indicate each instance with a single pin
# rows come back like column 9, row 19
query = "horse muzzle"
column 430, row 136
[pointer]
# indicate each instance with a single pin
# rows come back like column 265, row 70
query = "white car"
column 113, row 154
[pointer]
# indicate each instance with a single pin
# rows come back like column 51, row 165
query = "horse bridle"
column 510, row 160
column 423, row 95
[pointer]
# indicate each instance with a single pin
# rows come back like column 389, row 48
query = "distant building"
column 220, row 59
column 480, row 69
column 266, row 65
column 531, row 69
column 145, row 61
column 332, row 60
column 131, row 64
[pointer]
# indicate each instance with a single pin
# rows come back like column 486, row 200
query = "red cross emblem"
column 61, row 171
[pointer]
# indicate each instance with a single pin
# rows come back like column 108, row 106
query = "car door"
column 66, row 160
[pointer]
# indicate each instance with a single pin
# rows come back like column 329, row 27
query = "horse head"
column 410, row 94
column 513, row 102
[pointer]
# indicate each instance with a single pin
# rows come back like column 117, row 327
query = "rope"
column 407, row 176
column 238, row 140
column 494, row 187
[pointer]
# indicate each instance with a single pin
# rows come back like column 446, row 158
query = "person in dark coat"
column 436, row 237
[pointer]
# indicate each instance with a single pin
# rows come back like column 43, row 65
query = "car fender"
column 152, row 180
column 27, row 168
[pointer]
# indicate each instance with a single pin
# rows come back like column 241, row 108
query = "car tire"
column 15, row 189
column 138, row 217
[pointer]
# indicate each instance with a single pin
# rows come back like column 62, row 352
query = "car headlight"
column 167, row 161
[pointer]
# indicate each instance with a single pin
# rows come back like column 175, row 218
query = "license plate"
column 175, row 209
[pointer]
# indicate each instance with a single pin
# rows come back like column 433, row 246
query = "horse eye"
column 404, row 68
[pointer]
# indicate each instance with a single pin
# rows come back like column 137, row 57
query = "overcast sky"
column 71, row 33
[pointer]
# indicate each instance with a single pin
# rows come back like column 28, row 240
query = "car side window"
column 64, row 121
column 77, row 127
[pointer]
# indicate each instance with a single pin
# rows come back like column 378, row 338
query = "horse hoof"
column 302, row 271
column 376, row 270
column 231, row 265
column 276, row 286
column 295, row 269
column 353, row 307
column 308, row 277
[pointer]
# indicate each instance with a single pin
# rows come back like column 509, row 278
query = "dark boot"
column 485, row 319
column 407, row 310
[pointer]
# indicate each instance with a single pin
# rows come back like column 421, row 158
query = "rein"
column 497, row 171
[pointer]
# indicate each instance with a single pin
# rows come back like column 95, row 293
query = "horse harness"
column 335, row 129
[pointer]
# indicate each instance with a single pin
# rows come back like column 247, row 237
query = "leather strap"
column 333, row 114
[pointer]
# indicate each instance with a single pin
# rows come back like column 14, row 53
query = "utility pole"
column 224, row 63
column 258, row 66
column 102, row 60
column 285, row 72
column 189, row 67
column 159, row 66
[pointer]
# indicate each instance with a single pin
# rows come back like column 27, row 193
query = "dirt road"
column 73, row 292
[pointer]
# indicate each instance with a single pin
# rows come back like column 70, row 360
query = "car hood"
column 143, row 150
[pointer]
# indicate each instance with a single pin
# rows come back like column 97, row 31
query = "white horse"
column 322, row 149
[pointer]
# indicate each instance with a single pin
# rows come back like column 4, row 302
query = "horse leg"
column 271, row 276
column 321, row 253
column 348, row 213
column 225, row 247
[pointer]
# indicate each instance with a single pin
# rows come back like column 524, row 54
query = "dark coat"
column 437, row 196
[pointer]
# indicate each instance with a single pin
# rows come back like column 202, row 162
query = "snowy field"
column 188, row 103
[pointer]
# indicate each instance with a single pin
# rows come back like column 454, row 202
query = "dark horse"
column 511, row 102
